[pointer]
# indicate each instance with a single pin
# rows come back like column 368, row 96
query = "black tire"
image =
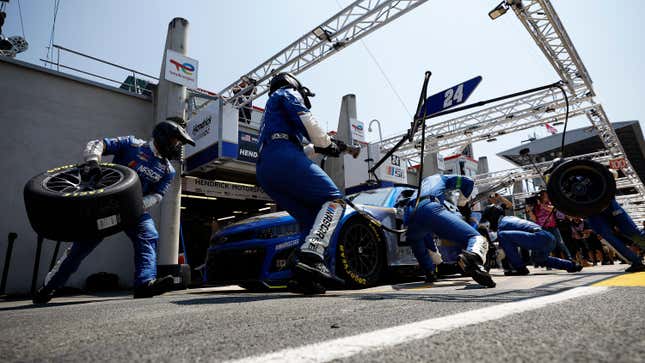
column 62, row 208
column 360, row 254
column 581, row 188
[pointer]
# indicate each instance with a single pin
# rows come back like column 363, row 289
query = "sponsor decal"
column 326, row 221
column 287, row 244
column 185, row 67
column 201, row 129
column 132, row 164
column 148, row 173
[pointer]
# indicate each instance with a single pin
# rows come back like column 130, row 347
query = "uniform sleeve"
column 162, row 186
column 114, row 144
column 304, row 120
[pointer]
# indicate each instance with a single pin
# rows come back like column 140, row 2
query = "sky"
column 454, row 40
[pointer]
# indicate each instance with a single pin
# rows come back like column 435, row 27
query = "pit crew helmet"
column 288, row 80
column 163, row 135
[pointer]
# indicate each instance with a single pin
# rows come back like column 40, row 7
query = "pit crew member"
column 150, row 160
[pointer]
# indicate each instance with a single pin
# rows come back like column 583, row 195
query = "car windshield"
column 376, row 197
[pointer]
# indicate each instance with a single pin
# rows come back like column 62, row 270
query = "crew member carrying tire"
column 150, row 160
column 295, row 182
column 513, row 232
column 431, row 216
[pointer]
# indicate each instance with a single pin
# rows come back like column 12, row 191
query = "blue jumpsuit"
column 513, row 232
column 431, row 217
column 283, row 170
column 615, row 215
column 155, row 174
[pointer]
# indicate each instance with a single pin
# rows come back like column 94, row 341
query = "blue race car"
column 253, row 253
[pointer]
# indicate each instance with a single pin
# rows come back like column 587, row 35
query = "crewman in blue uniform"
column 150, row 160
column 513, row 232
column 614, row 215
column 294, row 181
column 430, row 216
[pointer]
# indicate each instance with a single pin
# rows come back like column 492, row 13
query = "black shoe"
column 306, row 287
column 639, row 267
column 522, row 271
column 431, row 277
column 576, row 268
column 316, row 271
column 154, row 287
column 42, row 295
column 471, row 264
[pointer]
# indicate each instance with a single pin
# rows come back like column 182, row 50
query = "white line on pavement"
column 384, row 338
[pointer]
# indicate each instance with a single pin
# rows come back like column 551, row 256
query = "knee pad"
column 324, row 226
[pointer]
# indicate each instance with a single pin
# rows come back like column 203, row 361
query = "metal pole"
column 34, row 276
column 171, row 102
column 7, row 260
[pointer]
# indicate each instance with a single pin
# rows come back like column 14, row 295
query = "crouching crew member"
column 151, row 162
column 430, row 216
column 294, row 181
column 513, row 232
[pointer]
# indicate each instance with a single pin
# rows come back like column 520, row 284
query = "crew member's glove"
column 90, row 170
column 332, row 150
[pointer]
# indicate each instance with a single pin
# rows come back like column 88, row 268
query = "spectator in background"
column 244, row 112
column 545, row 217
column 578, row 238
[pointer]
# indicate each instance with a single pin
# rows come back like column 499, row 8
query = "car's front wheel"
column 360, row 254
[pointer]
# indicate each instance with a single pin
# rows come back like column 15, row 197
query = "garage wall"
column 47, row 117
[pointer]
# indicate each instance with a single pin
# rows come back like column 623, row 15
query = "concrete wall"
column 47, row 117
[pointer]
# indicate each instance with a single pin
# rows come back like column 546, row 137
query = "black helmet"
column 284, row 79
column 492, row 213
column 162, row 135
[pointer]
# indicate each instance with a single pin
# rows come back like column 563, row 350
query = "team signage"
column 450, row 97
column 221, row 189
column 357, row 129
column 247, row 147
column 203, row 128
column 617, row 164
column 181, row 69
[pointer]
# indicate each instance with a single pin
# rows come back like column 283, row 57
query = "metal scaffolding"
column 543, row 24
column 344, row 28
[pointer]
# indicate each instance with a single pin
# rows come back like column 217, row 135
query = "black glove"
column 331, row 150
column 90, row 170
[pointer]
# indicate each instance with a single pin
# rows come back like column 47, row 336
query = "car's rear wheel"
column 360, row 254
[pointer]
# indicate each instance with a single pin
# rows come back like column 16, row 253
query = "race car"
column 254, row 252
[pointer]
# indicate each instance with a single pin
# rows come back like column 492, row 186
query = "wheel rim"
column 69, row 181
column 361, row 250
column 583, row 185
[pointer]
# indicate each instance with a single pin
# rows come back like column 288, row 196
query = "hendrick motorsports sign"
column 221, row 189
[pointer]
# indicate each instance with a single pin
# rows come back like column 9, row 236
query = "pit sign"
column 450, row 97
column 617, row 164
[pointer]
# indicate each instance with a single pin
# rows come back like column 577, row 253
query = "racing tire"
column 61, row 207
column 360, row 255
column 581, row 188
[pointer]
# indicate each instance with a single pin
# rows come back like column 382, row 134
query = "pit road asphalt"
column 228, row 323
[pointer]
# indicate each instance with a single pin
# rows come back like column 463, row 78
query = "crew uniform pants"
column 144, row 237
column 540, row 243
column 294, row 182
column 615, row 215
column 432, row 217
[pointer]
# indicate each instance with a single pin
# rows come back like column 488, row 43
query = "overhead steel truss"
column 349, row 25
column 546, row 29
